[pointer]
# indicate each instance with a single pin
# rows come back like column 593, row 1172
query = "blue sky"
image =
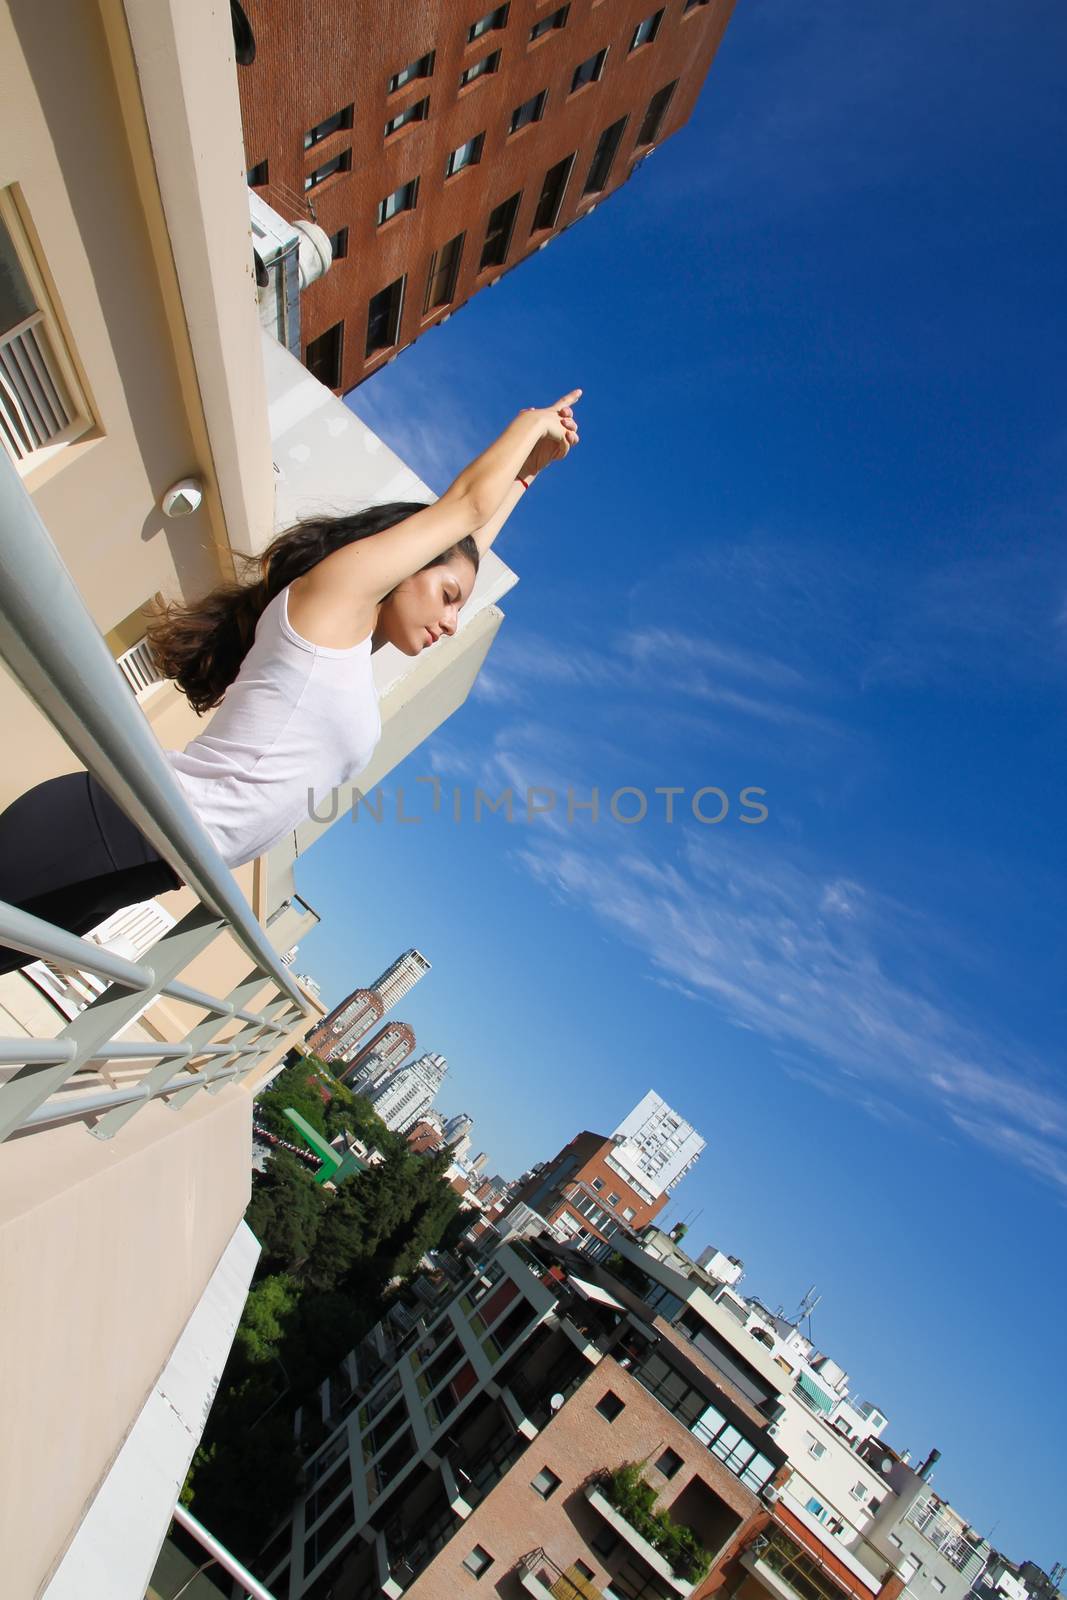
column 811, row 541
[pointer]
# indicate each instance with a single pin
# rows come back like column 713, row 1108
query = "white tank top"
column 297, row 717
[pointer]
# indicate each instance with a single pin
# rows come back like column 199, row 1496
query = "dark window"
column 609, row 1406
column 669, row 1463
column 584, row 1571
column 657, row 110
column 339, row 244
column 646, row 31
column 558, row 19
column 322, row 130
column 258, row 175
column 465, row 155
column 480, row 69
column 383, row 320
column 402, row 199
column 498, row 233
column 323, row 356
column 488, row 24
column 546, row 1483
column 600, row 166
column 323, row 1538
column 422, row 68
column 692, row 5
column 589, row 71
column 531, row 110
column 552, row 191
column 478, row 1562
column 417, row 112
column 441, row 1365
column 444, row 270
column 341, row 163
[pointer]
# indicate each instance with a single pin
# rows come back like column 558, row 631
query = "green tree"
column 285, row 1213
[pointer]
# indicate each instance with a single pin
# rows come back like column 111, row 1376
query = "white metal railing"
column 54, row 649
column 34, row 407
column 944, row 1533
column 138, row 667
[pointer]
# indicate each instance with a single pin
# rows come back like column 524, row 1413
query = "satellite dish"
column 556, row 1402
column 887, row 1462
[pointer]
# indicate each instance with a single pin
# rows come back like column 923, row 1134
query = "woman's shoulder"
column 329, row 623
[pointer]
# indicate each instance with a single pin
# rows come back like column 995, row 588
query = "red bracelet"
column 523, row 482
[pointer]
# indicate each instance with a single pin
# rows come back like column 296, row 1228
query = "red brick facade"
column 580, row 1177
column 317, row 65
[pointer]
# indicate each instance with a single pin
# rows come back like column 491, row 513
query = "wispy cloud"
column 435, row 440
column 810, row 964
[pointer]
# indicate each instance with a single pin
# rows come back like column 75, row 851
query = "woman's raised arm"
column 366, row 571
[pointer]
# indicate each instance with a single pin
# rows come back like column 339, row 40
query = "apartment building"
column 601, row 1186
column 384, row 1049
column 440, row 144
column 339, row 1034
column 478, row 1440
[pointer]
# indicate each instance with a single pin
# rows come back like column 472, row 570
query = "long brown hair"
column 201, row 645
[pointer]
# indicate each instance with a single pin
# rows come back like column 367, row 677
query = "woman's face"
column 426, row 606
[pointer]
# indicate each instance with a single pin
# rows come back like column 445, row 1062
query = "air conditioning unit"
column 771, row 1494
column 772, row 1430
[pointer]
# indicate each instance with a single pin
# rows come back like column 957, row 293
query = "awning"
column 592, row 1292
column 818, row 1397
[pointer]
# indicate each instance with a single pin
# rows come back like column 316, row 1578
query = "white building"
column 406, row 1095
column 399, row 979
column 655, row 1147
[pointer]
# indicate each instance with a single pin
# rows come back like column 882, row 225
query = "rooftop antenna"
column 807, row 1306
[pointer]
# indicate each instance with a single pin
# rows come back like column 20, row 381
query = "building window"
column 858, row 1491
column 584, row 1571
column 669, row 1463
column 938, row 1585
column 546, row 1483
column 531, row 110
column 341, row 163
column 490, row 23
column 339, row 244
column 629, row 1213
column 598, row 1184
column 383, row 320
column 873, row 1506
column 465, row 155
column 646, row 31
column 443, row 273
column 589, row 71
column 613, row 1199
column 40, row 403
column 609, row 1406
column 478, row 1562
column 323, row 356
column 551, row 200
column 498, row 233
column 657, row 109
column 322, row 130
column 558, row 19
column 422, row 68
column 402, row 199
column 815, row 1447
column 417, row 112
column 259, row 175
column 480, row 69
column 606, row 149
column 894, row 1540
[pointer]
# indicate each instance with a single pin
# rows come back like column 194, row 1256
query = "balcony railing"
column 545, row 1579
column 928, row 1516
column 54, row 649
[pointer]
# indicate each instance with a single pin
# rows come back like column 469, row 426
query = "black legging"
column 70, row 855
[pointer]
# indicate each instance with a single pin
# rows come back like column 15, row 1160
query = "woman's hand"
column 559, row 436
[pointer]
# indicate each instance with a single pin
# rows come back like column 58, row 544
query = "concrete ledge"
column 626, row 1531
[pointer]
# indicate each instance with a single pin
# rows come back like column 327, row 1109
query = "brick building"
column 481, row 1439
column 584, row 1191
column 440, row 143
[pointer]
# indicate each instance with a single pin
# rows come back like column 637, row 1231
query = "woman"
column 291, row 653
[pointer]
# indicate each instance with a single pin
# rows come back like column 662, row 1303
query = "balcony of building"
column 954, row 1542
column 797, row 1558
column 543, row 1578
column 544, row 1373
column 480, row 1451
column 410, row 1537
column 676, row 1543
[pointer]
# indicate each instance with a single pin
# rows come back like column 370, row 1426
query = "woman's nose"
column 449, row 622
